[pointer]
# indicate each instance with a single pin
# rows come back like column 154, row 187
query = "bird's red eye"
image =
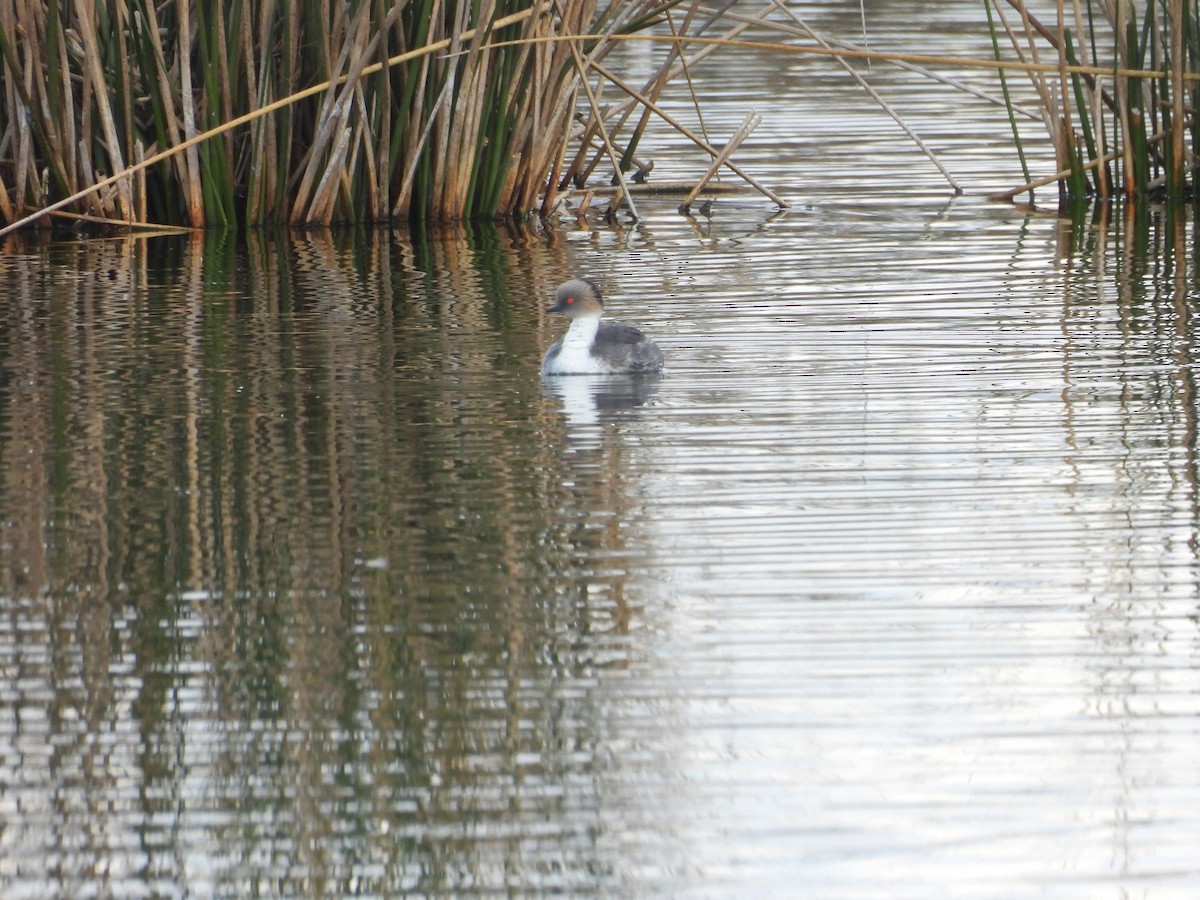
column 570, row 300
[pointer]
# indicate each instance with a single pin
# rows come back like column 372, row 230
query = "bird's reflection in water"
column 591, row 401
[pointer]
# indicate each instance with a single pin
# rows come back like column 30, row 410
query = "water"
column 310, row 586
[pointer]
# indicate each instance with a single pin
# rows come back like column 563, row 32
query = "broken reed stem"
column 1157, row 138
column 658, row 82
column 692, row 136
column 752, row 121
column 1051, row 179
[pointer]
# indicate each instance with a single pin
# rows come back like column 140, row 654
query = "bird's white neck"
column 575, row 354
column 580, row 335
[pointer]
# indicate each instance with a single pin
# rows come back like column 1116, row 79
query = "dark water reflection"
column 294, row 597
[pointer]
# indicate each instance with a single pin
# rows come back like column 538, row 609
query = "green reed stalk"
column 115, row 55
column 1177, row 16
column 1097, row 98
column 1155, row 90
column 1136, row 137
column 215, row 164
column 495, row 131
column 1079, row 177
column 1008, row 101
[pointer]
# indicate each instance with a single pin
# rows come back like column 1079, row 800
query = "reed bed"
column 263, row 112
column 290, row 112
column 1120, row 104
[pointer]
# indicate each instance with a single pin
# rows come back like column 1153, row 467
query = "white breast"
column 575, row 354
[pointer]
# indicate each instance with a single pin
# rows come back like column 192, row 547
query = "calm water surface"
column 310, row 586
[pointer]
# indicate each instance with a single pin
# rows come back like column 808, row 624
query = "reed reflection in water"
column 311, row 585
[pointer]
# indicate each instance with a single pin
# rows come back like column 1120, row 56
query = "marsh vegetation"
column 258, row 112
